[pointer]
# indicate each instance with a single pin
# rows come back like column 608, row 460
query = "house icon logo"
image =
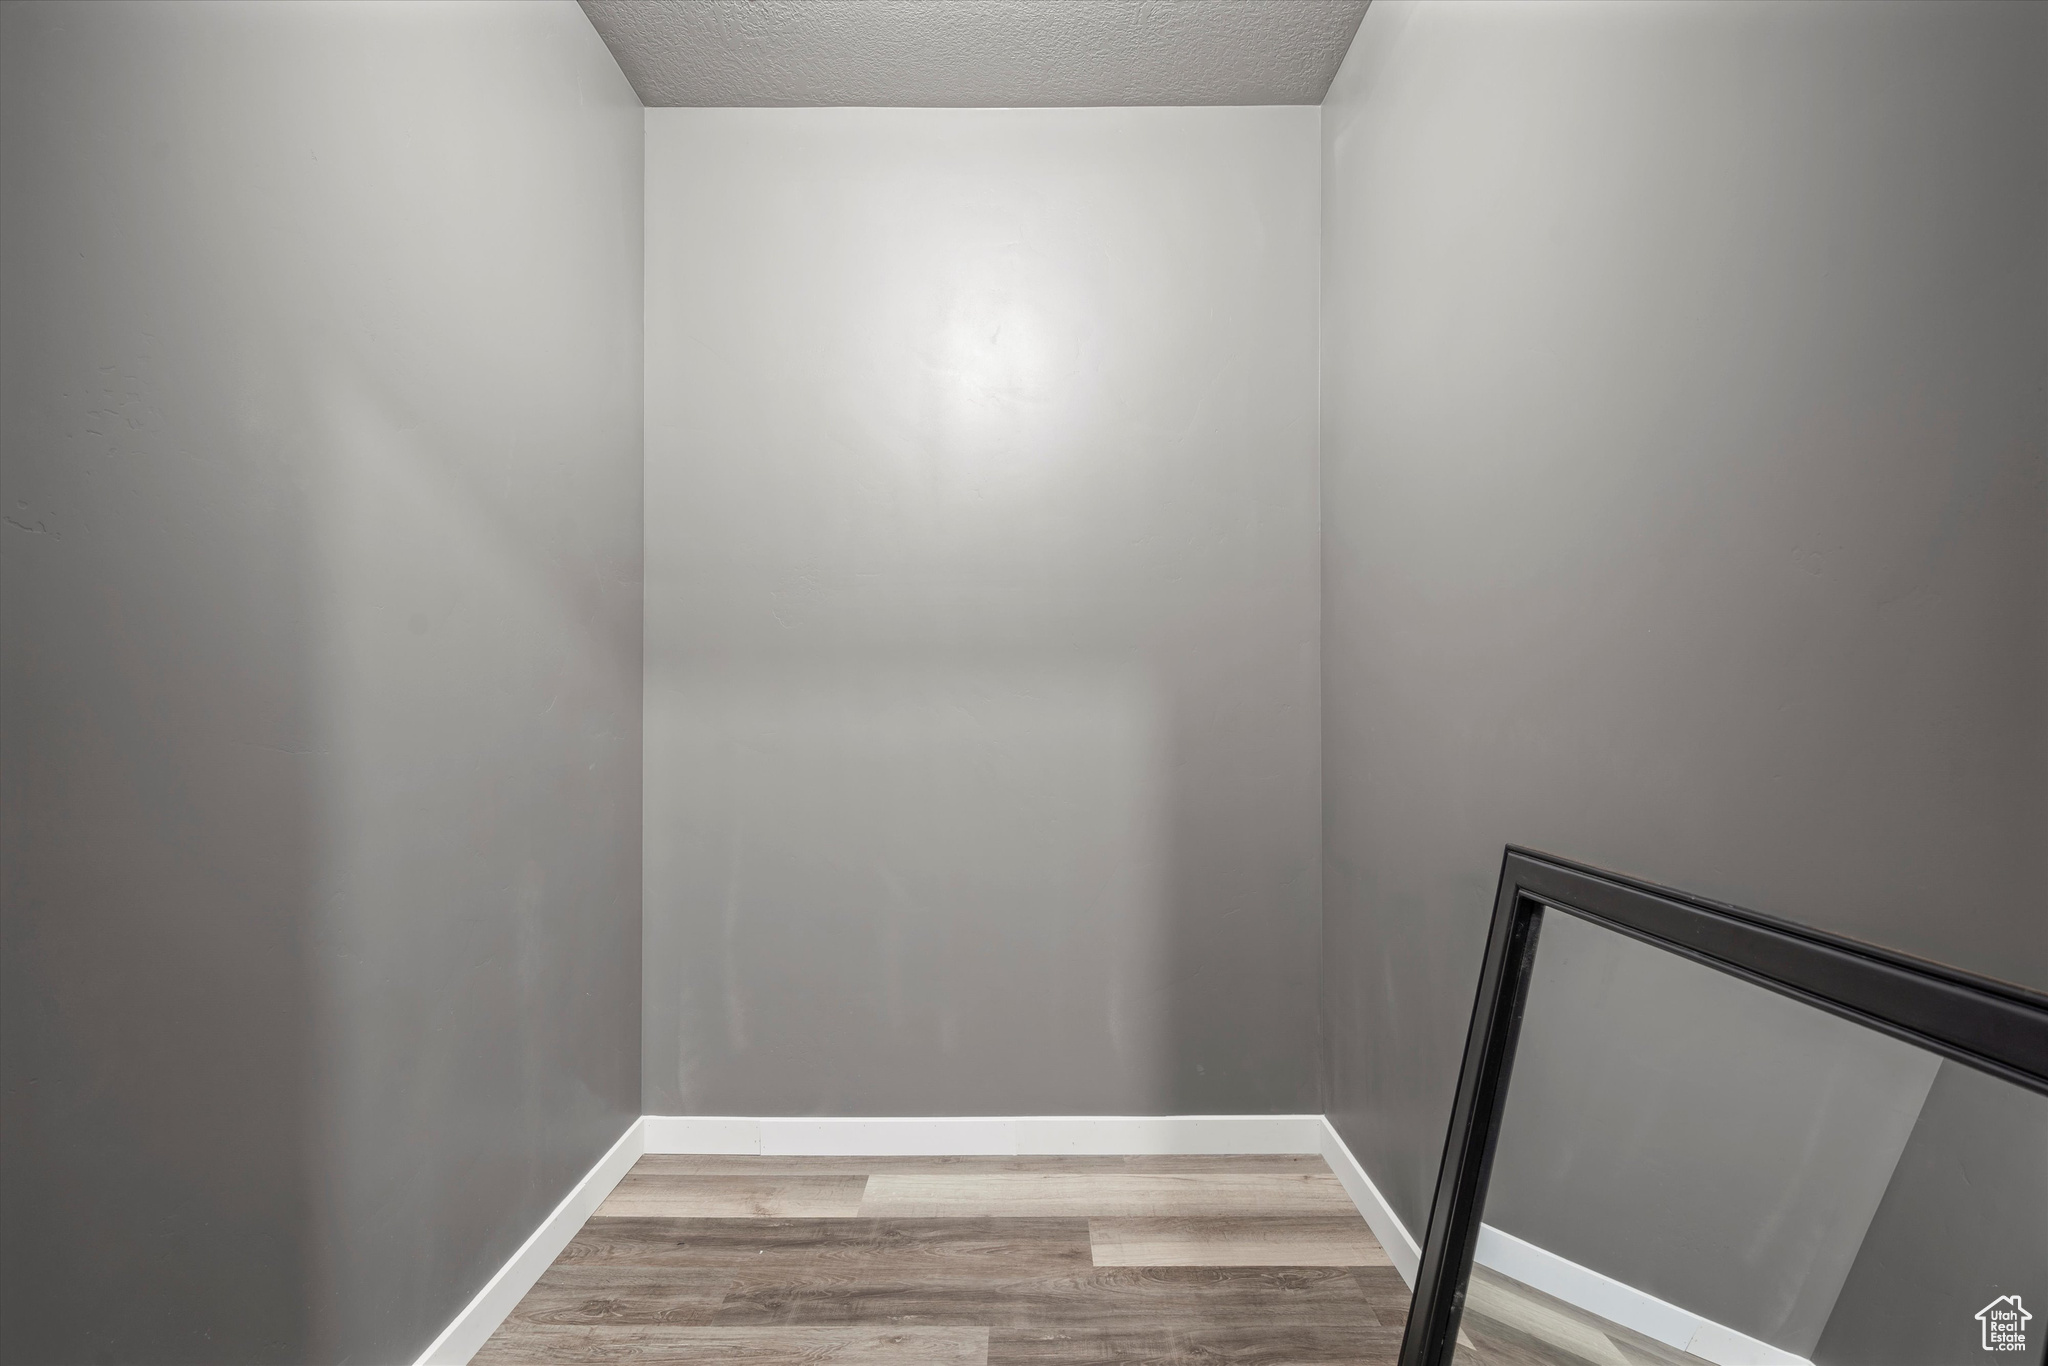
column 2005, row 1324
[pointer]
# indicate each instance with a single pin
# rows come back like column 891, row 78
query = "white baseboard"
column 1620, row 1303
column 473, row 1327
column 1005, row 1136
column 1163, row 1135
column 1726, row 1347
column 1386, row 1225
column 701, row 1134
column 888, row 1137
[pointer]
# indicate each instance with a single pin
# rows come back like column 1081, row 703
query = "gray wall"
column 1685, row 508
column 320, row 562
column 1962, row 1223
column 982, row 601
column 1696, row 1136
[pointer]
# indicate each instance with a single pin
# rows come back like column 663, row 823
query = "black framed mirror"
column 1685, row 1132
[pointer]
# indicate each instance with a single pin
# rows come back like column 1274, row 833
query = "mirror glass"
column 1693, row 1168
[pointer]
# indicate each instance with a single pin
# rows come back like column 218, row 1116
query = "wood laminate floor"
column 1507, row 1323
column 967, row 1261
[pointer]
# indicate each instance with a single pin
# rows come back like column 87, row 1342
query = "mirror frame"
column 1995, row 1027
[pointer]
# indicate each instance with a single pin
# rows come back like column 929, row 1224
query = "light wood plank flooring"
column 1507, row 1323
column 968, row 1261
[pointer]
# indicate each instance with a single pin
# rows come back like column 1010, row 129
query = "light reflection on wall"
column 1002, row 367
column 996, row 347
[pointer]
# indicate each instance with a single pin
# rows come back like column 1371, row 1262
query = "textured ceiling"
column 977, row 52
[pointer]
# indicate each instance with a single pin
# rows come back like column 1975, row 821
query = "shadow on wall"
column 1683, row 491
column 162, row 725
column 844, row 822
column 477, row 927
column 321, row 668
column 891, row 886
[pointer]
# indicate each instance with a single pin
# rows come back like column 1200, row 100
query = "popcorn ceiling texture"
column 977, row 52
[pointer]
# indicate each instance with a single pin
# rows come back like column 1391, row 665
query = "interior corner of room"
column 593, row 585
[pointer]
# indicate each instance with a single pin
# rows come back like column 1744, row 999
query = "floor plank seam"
column 997, row 1262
